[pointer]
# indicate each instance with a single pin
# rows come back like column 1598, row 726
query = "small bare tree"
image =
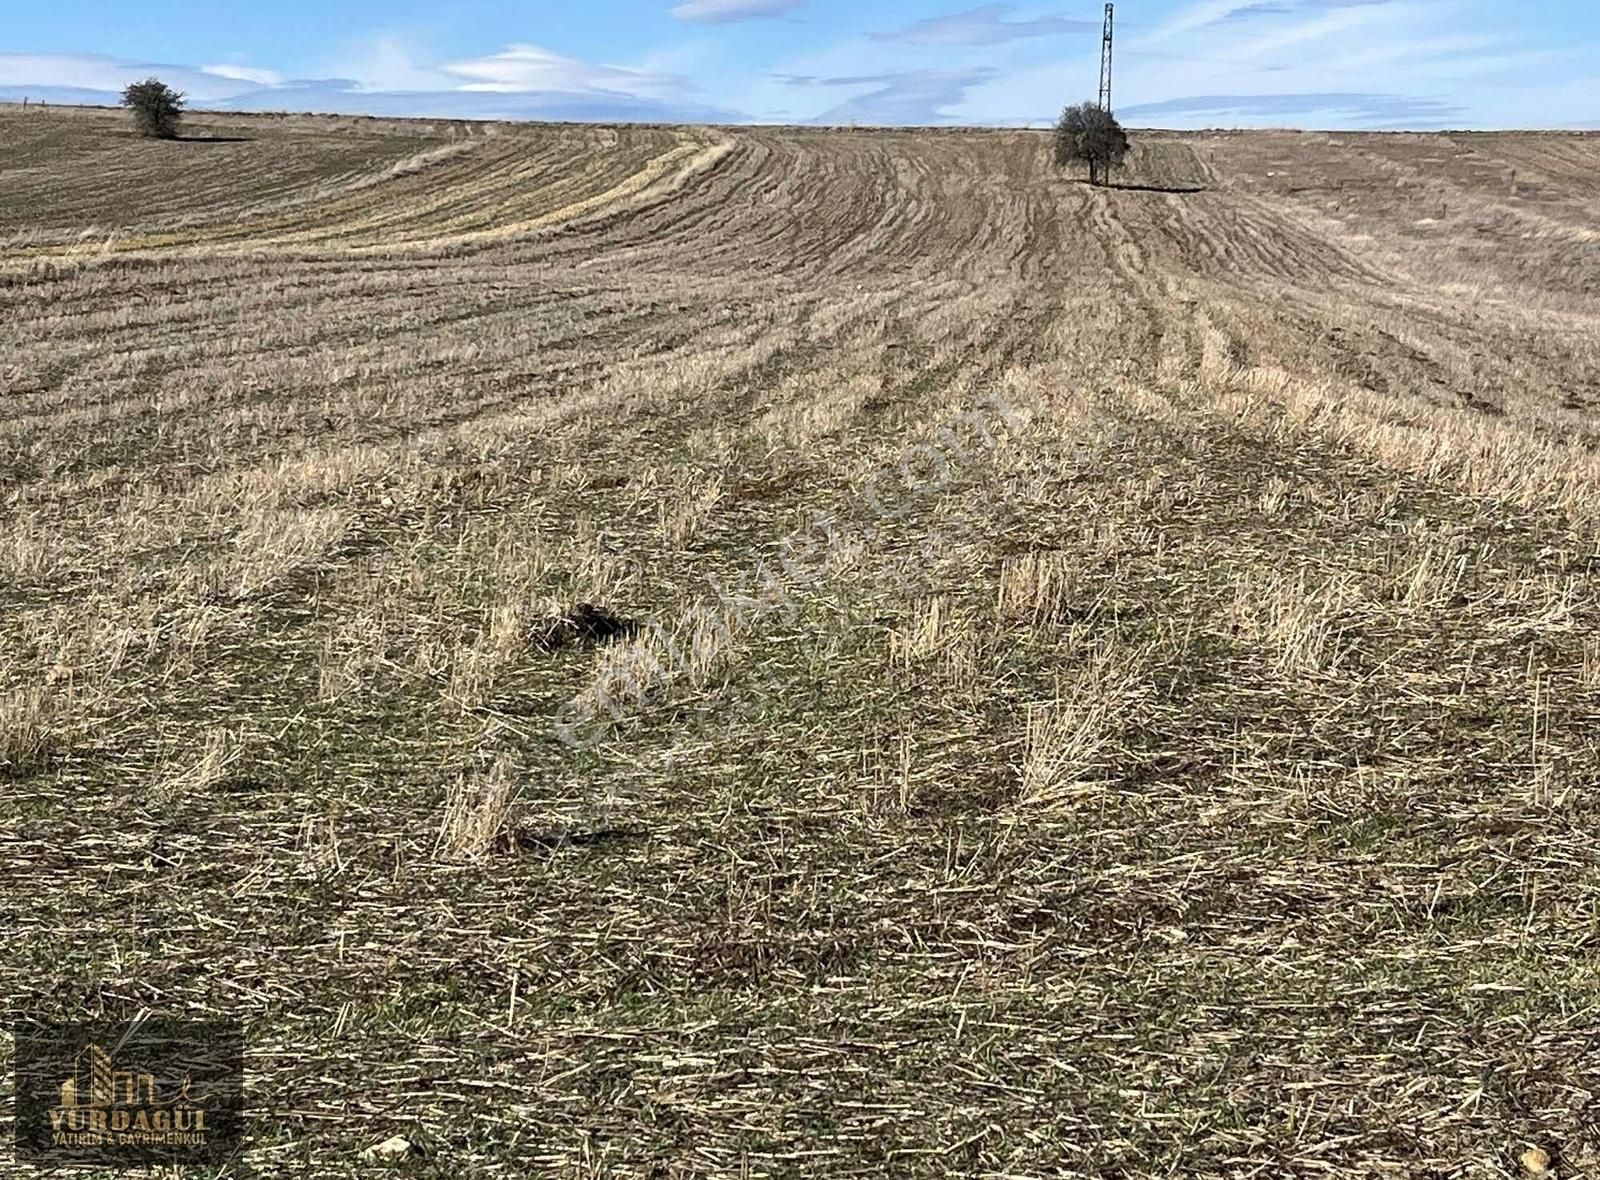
column 156, row 108
column 1090, row 134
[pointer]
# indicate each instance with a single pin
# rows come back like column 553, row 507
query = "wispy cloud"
column 522, row 68
column 907, row 99
column 982, row 26
column 100, row 72
column 385, row 78
column 245, row 74
column 1412, row 49
column 1358, row 106
column 1325, row 63
column 1290, row 7
column 1206, row 13
column 1198, row 16
column 721, row 12
column 340, row 97
column 1318, row 29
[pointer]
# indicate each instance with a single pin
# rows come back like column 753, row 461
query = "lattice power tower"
column 1105, row 65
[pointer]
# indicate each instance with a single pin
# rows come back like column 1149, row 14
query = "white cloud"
column 92, row 71
column 988, row 25
column 387, row 62
column 1313, row 30
column 100, row 72
column 728, row 11
column 386, row 76
column 521, row 68
column 1196, row 16
column 1408, row 49
column 63, row 69
column 1317, row 63
column 1301, row 62
column 245, row 74
column 915, row 97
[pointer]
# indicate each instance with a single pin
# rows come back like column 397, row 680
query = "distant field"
column 1103, row 682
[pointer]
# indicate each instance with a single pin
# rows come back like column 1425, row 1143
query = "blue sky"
column 1181, row 63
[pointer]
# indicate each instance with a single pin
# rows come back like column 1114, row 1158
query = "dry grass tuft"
column 1038, row 587
column 685, row 510
column 1436, row 577
column 1070, row 743
column 268, row 545
column 1296, row 619
column 27, row 727
column 478, row 812
column 222, row 754
column 925, row 635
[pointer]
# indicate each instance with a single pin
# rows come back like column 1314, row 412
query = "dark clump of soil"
column 584, row 623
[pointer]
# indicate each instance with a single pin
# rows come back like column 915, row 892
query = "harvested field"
column 691, row 651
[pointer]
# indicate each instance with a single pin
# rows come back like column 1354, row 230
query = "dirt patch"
column 585, row 623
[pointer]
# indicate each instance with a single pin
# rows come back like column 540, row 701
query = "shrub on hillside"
column 156, row 108
column 1089, row 134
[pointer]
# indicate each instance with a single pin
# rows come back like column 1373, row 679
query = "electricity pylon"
column 1105, row 65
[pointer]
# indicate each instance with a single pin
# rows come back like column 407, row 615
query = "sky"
column 1379, row 64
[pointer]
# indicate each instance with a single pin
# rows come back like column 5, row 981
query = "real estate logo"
column 159, row 1091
